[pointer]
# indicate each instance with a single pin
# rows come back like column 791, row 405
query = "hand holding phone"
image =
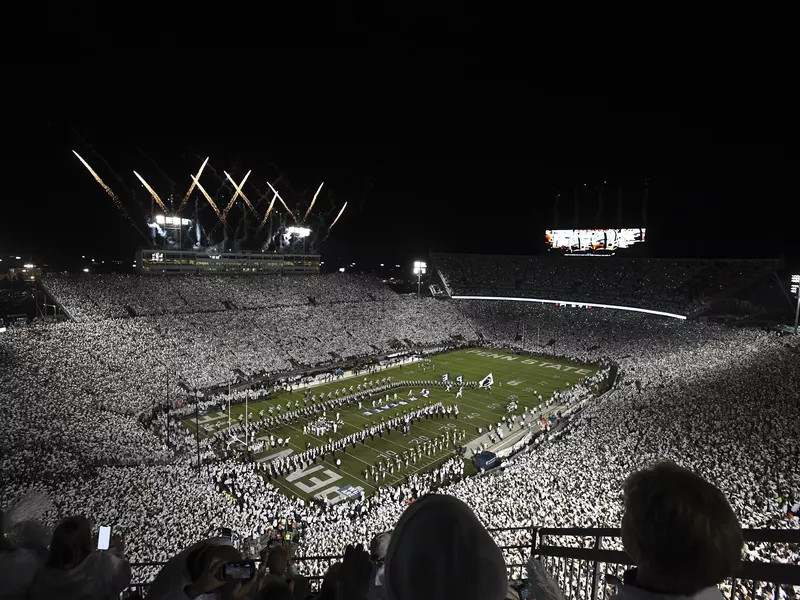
column 103, row 538
column 235, row 571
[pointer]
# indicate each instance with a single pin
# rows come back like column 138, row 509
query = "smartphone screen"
column 103, row 538
column 238, row 571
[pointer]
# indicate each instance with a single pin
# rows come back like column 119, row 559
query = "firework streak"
column 282, row 202
column 111, row 194
column 205, row 193
column 238, row 192
column 337, row 217
column 312, row 202
column 266, row 214
column 152, row 192
column 191, row 187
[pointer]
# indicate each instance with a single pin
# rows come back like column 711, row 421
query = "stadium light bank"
column 573, row 303
column 162, row 220
column 420, row 268
column 301, row 232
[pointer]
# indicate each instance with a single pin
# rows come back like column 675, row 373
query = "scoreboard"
column 594, row 240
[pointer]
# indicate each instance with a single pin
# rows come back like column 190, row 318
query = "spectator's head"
column 71, row 543
column 31, row 534
column 330, row 583
column 277, row 561
column 679, row 529
column 379, row 546
column 438, row 550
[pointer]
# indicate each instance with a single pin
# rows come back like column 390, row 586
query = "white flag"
column 487, row 381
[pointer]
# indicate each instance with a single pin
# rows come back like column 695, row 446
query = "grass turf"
column 513, row 375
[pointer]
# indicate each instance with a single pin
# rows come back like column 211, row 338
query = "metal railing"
column 579, row 559
column 580, row 567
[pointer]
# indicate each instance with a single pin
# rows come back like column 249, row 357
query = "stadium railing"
column 580, row 559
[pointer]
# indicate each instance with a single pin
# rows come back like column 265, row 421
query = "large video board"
column 593, row 240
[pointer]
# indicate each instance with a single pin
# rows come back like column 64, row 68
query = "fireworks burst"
column 210, row 201
column 111, row 194
column 282, row 202
column 238, row 192
column 191, row 187
column 312, row 202
column 266, row 214
column 336, row 219
column 152, row 193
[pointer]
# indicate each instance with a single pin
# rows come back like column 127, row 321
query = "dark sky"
column 481, row 178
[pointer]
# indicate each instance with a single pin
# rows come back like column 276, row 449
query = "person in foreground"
column 681, row 533
column 21, row 558
column 73, row 570
column 196, row 573
column 438, row 550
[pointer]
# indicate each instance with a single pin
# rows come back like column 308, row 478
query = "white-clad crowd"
column 720, row 401
column 92, row 297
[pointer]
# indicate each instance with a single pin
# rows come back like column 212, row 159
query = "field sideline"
column 513, row 375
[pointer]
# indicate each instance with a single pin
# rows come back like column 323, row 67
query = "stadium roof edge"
column 595, row 304
column 549, row 255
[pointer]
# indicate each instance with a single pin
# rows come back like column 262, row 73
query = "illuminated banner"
column 593, row 240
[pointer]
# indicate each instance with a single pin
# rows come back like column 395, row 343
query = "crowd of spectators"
column 681, row 286
column 719, row 401
column 92, row 297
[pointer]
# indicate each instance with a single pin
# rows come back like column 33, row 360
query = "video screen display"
column 593, row 240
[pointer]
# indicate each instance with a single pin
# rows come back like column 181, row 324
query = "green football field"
column 514, row 375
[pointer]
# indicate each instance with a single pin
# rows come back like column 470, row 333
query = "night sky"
column 481, row 181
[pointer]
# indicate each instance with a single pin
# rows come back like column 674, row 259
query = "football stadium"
column 228, row 417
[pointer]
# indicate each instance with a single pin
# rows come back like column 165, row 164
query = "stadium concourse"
column 720, row 401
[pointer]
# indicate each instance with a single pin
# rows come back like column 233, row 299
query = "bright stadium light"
column 301, row 232
column 162, row 220
column 341, row 269
column 86, row 270
column 28, row 266
column 420, row 268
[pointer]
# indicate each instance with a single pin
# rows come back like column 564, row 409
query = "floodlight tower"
column 420, row 268
column 796, row 291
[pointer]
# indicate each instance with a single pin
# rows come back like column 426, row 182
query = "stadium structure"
column 300, row 411
column 188, row 262
column 265, row 370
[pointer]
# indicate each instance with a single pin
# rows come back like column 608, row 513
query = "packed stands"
column 719, row 401
column 680, row 286
column 93, row 297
